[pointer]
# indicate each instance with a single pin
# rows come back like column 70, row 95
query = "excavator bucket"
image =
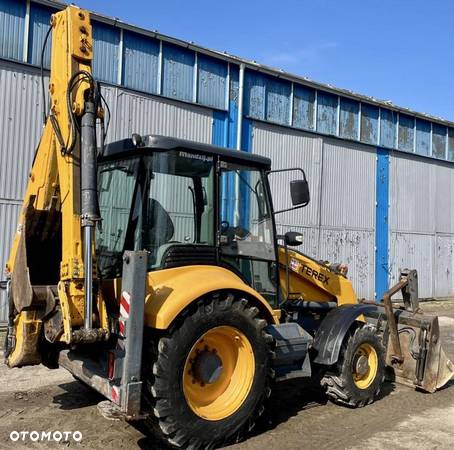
column 414, row 353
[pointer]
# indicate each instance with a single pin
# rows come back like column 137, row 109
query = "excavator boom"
column 46, row 261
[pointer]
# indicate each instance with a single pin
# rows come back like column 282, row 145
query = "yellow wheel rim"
column 218, row 373
column 365, row 366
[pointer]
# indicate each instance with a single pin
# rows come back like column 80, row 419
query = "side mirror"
column 299, row 192
column 293, row 238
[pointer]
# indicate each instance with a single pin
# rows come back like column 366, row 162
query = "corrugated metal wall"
column 338, row 224
column 12, row 22
column 422, row 223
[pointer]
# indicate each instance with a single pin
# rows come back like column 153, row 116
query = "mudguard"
column 170, row 291
column 330, row 335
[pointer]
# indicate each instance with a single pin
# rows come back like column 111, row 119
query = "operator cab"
column 187, row 203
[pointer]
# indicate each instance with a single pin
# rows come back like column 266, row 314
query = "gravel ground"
column 35, row 398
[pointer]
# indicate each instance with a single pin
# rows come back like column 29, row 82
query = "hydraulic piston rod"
column 89, row 202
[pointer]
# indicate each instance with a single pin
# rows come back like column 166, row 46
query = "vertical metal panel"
column 382, row 223
column 438, row 141
column 412, row 194
column 8, row 219
column 369, row 123
column 146, row 115
column 211, row 81
column 234, row 75
column 39, row 25
column 444, row 198
column 278, row 100
column 326, row 112
column 140, row 62
column 20, row 126
column 388, row 125
column 451, row 144
column 406, row 132
column 178, row 76
column 246, row 135
column 444, row 266
column 422, row 137
column 106, row 40
column 12, row 23
column 220, row 128
column 303, row 107
column 356, row 249
column 413, row 251
column 348, row 118
column 290, row 148
column 348, row 185
column 347, row 211
column 254, row 94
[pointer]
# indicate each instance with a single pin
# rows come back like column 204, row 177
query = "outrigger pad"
column 425, row 364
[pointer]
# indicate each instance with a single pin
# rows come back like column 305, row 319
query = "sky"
column 398, row 50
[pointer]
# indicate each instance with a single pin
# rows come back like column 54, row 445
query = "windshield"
column 152, row 203
column 246, row 224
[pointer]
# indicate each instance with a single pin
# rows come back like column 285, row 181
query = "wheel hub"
column 361, row 365
column 207, row 367
column 218, row 373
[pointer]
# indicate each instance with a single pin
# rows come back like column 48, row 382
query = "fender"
column 170, row 291
column 330, row 335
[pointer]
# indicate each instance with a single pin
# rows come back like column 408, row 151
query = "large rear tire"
column 358, row 377
column 210, row 374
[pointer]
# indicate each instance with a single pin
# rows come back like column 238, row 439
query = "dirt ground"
column 35, row 398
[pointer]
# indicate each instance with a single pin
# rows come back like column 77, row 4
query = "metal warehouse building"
column 381, row 177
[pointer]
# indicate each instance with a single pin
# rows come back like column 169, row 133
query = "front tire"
column 210, row 374
column 358, row 377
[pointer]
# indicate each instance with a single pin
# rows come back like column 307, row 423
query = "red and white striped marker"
column 125, row 304
column 124, row 311
column 115, row 394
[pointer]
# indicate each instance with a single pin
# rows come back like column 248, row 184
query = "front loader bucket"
column 414, row 354
column 423, row 363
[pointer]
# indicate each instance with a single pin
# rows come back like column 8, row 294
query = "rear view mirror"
column 299, row 192
column 299, row 188
column 293, row 238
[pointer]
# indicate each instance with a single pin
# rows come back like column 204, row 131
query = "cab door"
column 246, row 230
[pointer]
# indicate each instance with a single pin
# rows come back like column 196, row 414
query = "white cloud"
column 297, row 56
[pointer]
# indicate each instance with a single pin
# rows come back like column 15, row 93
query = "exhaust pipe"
column 89, row 202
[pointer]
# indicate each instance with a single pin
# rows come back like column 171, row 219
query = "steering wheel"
column 224, row 226
column 233, row 233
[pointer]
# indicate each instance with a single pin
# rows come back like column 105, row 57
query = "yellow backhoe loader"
column 150, row 268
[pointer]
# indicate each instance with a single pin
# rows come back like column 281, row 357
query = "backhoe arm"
column 46, row 262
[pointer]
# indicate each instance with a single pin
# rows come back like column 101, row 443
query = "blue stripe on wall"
column 246, row 135
column 246, row 145
column 224, row 134
column 220, row 128
column 381, row 224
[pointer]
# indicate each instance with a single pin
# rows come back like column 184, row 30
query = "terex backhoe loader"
column 150, row 268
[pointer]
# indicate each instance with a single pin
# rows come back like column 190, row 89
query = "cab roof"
column 152, row 142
